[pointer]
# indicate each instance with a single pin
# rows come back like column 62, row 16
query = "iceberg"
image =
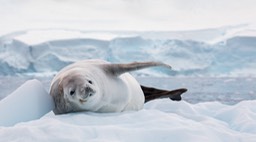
column 227, row 52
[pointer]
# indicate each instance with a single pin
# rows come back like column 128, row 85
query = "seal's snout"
column 88, row 92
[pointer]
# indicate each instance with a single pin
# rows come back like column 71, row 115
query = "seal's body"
column 98, row 86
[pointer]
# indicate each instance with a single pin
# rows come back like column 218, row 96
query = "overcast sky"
column 124, row 14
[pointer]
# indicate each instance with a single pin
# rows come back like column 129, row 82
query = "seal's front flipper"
column 118, row 69
column 153, row 93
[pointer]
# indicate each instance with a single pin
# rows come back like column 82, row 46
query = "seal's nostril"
column 88, row 91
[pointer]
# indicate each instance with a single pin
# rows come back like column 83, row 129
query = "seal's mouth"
column 82, row 101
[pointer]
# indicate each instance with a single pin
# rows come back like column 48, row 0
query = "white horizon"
column 117, row 15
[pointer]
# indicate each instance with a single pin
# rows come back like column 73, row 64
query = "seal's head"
column 73, row 92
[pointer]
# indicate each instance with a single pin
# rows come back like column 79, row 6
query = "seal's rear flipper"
column 153, row 93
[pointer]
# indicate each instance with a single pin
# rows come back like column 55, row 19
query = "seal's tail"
column 154, row 93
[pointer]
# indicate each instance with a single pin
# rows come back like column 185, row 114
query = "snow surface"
column 160, row 120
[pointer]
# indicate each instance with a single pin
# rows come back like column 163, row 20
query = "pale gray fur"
column 118, row 69
column 57, row 88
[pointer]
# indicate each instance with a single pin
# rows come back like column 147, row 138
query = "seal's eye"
column 72, row 92
column 90, row 81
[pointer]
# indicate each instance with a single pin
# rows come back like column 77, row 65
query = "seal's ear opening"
column 56, row 92
column 118, row 69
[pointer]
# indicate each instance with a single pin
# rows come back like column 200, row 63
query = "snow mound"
column 160, row 120
column 29, row 102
